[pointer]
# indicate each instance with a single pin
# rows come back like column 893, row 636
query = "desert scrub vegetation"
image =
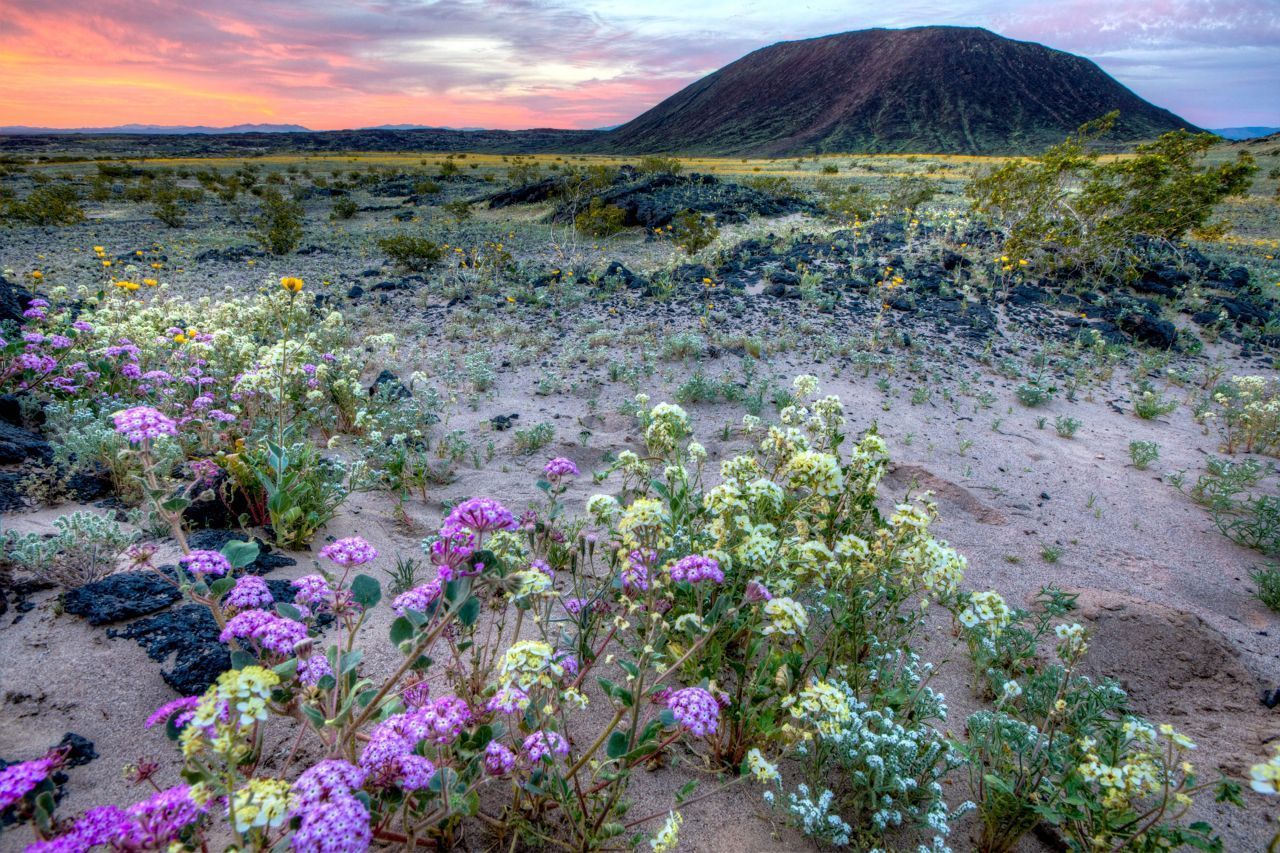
column 1068, row 210
column 411, row 252
column 759, row 625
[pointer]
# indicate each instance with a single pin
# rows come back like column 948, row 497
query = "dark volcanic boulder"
column 13, row 301
column 121, row 596
column 1149, row 329
column 21, row 445
column 213, row 540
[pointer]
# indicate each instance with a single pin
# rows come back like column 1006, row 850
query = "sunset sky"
column 333, row 64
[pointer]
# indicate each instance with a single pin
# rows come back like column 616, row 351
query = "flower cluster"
column 143, row 423
column 352, row 551
column 696, row 568
column 206, row 563
column 696, row 710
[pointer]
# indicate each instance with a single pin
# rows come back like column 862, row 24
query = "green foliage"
column 1033, row 394
column 278, row 226
column 82, row 549
column 530, row 441
column 654, row 164
column 410, row 251
column 845, row 201
column 1268, row 581
column 907, row 194
column 51, row 204
column 1143, row 453
column 1245, row 513
column 693, row 231
column 459, row 209
column 1068, row 209
column 344, row 207
column 1148, row 404
column 600, row 219
column 300, row 490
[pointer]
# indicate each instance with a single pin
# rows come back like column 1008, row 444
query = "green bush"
column 51, row 204
column 693, row 231
column 1067, row 209
column 278, row 227
column 411, row 252
column 600, row 219
column 659, row 165
column 344, row 208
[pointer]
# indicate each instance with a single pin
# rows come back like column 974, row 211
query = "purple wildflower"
column 483, row 515
column 250, row 592
column 498, row 760
column 18, row 780
column 312, row 590
column 352, row 551
column 509, row 700
column 271, row 632
column 544, row 744
column 210, row 563
column 419, row 598
column 696, row 710
column 312, row 669
column 181, row 710
column 695, row 568
column 142, row 423
column 559, row 468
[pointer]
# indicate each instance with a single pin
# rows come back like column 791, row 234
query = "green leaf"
column 240, row 553
column 402, row 630
column 350, row 660
column 617, row 746
column 288, row 611
column 239, row 660
column 221, row 586
column 177, row 504
column 366, row 591
column 469, row 612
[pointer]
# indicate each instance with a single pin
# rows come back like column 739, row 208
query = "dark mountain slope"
column 927, row 89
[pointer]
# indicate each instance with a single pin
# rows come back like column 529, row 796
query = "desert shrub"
column 907, row 194
column 530, row 441
column 82, row 549
column 1143, row 453
column 426, row 186
column 1267, row 579
column 344, row 207
column 1244, row 510
column 846, row 202
column 830, row 169
column 278, row 226
column 459, row 209
column 655, row 164
column 693, row 231
column 411, row 251
column 51, row 204
column 1067, row 209
column 600, row 219
column 1034, row 394
column 1149, row 404
column 1247, row 412
column 775, row 186
column 1061, row 749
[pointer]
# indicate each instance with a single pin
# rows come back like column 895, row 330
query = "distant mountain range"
column 958, row 90
column 153, row 129
column 1238, row 133
column 924, row 89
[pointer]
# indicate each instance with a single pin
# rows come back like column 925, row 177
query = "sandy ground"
column 1167, row 597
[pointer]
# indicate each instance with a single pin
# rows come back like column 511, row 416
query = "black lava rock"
column 388, row 383
column 121, row 596
column 213, row 540
column 21, row 445
column 13, row 301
